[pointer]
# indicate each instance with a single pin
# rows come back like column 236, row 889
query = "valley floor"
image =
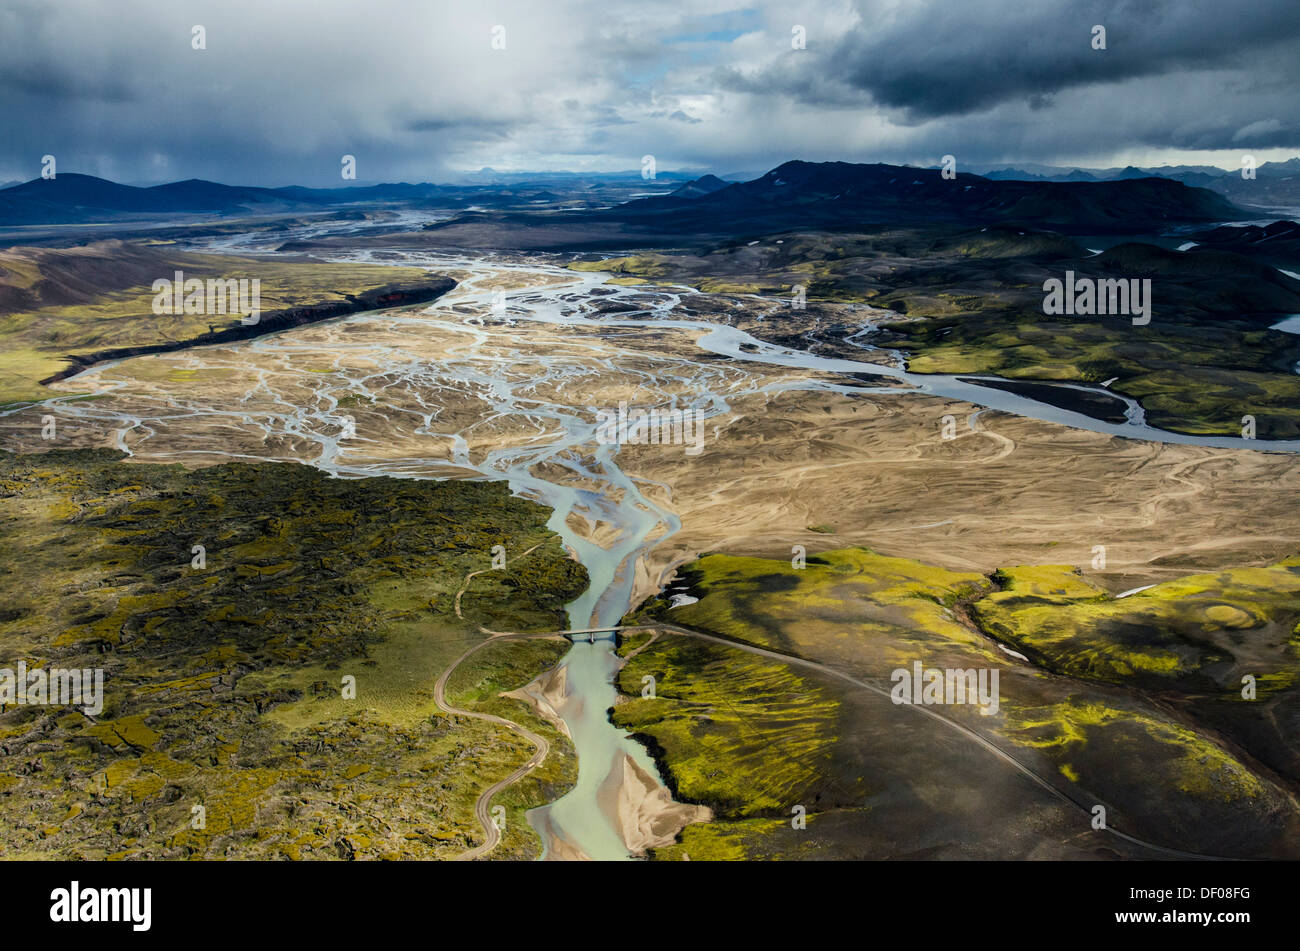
column 930, row 529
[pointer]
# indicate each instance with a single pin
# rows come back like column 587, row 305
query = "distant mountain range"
column 797, row 194
column 1073, row 173
column 836, row 194
column 73, row 198
column 1275, row 183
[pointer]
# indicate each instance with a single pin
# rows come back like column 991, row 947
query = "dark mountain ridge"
column 838, row 194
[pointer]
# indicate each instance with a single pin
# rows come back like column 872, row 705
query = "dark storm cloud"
column 1265, row 134
column 38, row 80
column 944, row 59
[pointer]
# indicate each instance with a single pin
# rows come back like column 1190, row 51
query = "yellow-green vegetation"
column 1171, row 770
column 842, row 602
column 636, row 265
column 647, row 268
column 631, row 643
column 1202, row 632
column 1048, row 582
column 228, row 681
column 1188, row 377
column 845, row 267
column 58, row 303
column 752, row 736
column 729, row 841
column 747, row 735
column 478, row 684
column 1070, row 732
column 714, row 286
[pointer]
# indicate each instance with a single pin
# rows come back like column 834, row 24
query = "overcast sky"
column 416, row 92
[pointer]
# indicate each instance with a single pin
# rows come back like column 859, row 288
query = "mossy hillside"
column 1208, row 793
column 752, row 737
column 1221, row 647
column 1193, row 377
column 1183, row 779
column 1059, row 583
column 747, row 735
column 629, row 644
column 636, row 265
column 223, row 684
column 741, row 839
column 846, row 604
column 1201, row 633
column 1070, row 733
column 672, row 268
column 834, row 266
column 836, row 834
column 1206, row 358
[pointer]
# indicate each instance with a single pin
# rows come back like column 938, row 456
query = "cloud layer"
column 421, row 89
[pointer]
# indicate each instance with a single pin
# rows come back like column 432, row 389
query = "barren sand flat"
column 644, row 810
column 874, row 470
column 383, row 388
column 544, row 694
column 428, row 392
